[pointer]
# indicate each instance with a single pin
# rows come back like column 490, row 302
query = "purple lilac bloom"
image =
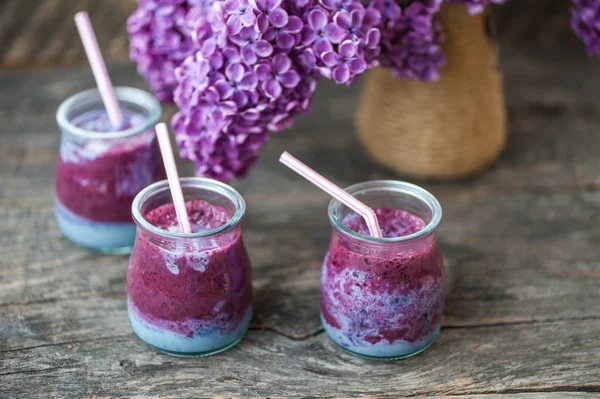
column 160, row 40
column 276, row 75
column 270, row 13
column 344, row 63
column 411, row 39
column 339, row 21
column 245, row 68
column 252, row 46
column 222, row 156
column 244, row 81
column 585, row 21
column 240, row 15
column 475, row 6
column 284, row 36
column 237, row 82
column 240, row 69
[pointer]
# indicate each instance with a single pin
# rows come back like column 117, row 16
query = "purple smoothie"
column 98, row 179
column 384, row 301
column 191, row 297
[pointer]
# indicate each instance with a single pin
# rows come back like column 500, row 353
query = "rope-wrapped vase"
column 451, row 128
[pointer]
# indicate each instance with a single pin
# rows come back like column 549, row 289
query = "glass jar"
column 384, row 297
column 99, row 173
column 190, row 294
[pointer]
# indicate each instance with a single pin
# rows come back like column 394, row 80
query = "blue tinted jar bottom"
column 380, row 350
column 107, row 238
column 171, row 343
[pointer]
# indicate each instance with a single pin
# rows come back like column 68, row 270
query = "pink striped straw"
column 162, row 132
column 90, row 44
column 367, row 213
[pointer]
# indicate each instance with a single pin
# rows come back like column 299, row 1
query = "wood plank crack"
column 116, row 338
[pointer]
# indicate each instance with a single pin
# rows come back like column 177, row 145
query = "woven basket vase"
column 451, row 128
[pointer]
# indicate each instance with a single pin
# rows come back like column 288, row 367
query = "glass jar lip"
column 198, row 182
column 392, row 186
column 129, row 94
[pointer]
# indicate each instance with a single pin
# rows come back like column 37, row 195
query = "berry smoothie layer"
column 190, row 299
column 386, row 303
column 98, row 180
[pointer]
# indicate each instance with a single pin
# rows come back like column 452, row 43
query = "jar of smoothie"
column 189, row 294
column 100, row 170
column 384, row 297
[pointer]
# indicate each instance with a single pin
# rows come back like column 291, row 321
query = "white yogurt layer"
column 100, row 236
column 383, row 348
column 202, row 344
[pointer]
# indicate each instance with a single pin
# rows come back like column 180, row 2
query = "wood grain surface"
column 521, row 243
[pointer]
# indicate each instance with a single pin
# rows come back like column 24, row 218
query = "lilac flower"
column 225, row 113
column 251, row 45
column 222, row 157
column 322, row 31
column 281, row 115
column 209, row 31
column 351, row 22
column 269, row 12
column 283, row 36
column 231, row 156
column 240, row 14
column 277, row 74
column 192, row 77
column 236, row 83
column 306, row 61
column 345, row 64
column 216, row 112
column 411, row 43
column 327, row 31
column 585, row 21
column 475, row 6
column 240, row 69
column 159, row 41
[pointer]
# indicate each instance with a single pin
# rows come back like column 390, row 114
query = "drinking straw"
column 90, row 44
column 309, row 174
column 162, row 132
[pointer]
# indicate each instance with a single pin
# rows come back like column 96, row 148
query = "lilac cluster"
column 585, row 21
column 160, row 39
column 475, row 6
column 344, row 37
column 411, row 38
column 247, row 78
column 256, row 68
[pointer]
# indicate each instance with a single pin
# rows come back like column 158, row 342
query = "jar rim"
column 127, row 94
column 393, row 186
column 196, row 182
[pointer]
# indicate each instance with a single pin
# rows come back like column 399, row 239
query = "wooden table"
column 521, row 243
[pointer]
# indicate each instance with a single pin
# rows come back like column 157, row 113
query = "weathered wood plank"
column 474, row 361
column 521, row 244
column 529, row 269
column 546, row 268
column 42, row 32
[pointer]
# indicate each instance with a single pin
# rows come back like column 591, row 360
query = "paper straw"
column 367, row 213
column 162, row 132
column 90, row 44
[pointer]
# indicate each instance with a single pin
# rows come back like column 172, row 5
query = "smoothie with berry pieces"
column 195, row 296
column 97, row 179
column 384, row 302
